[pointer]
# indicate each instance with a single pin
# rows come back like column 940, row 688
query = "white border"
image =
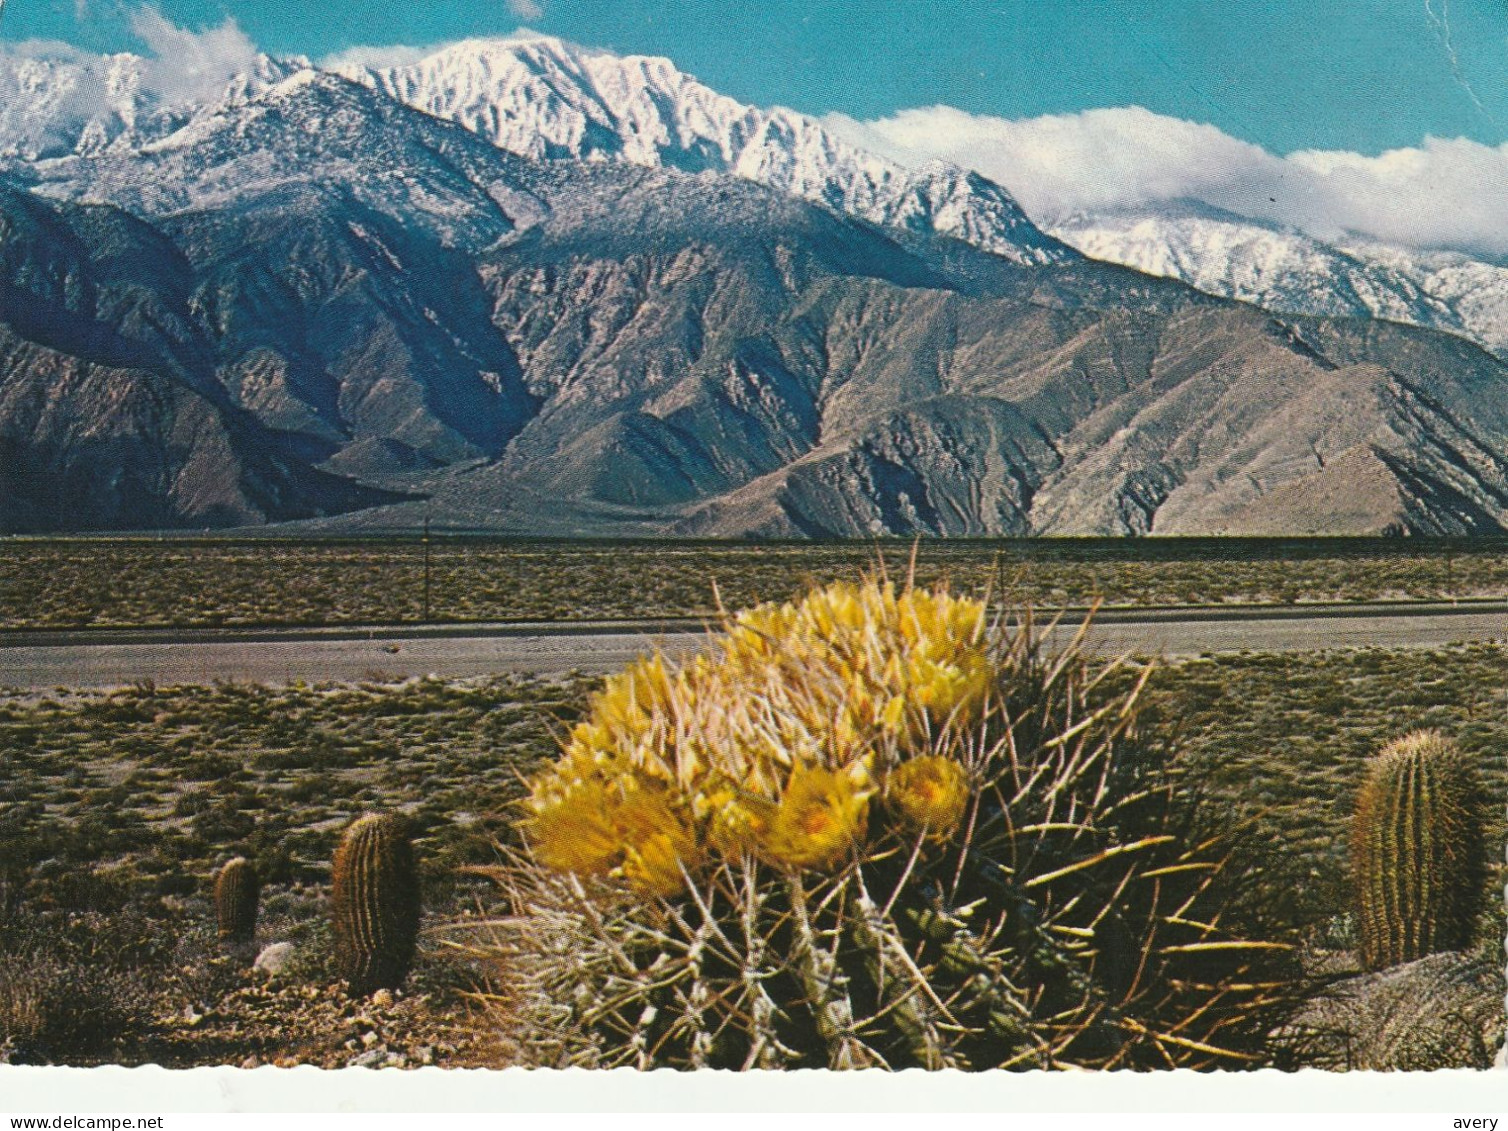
column 264, row 1090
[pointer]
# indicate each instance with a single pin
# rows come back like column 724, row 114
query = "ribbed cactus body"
column 375, row 904
column 864, row 830
column 1416, row 851
column 236, row 893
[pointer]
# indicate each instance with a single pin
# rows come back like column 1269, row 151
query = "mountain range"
column 1291, row 272
column 523, row 286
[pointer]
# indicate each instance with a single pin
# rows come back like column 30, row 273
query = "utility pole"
column 426, row 569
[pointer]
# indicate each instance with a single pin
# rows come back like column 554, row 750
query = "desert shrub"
column 870, row 828
column 208, row 767
column 88, row 890
column 73, row 986
column 1441, row 1011
column 225, row 822
column 53, row 1012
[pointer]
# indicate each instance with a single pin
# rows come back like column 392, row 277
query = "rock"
column 1443, row 1011
column 273, row 959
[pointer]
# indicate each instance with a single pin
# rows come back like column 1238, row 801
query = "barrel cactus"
column 236, row 893
column 1417, row 851
column 375, row 904
column 872, row 828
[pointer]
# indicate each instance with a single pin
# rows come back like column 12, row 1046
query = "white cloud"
column 527, row 9
column 1451, row 194
column 44, row 49
column 392, row 55
column 81, row 87
column 187, row 65
column 75, row 91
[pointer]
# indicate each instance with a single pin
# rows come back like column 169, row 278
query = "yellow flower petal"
column 929, row 794
column 820, row 816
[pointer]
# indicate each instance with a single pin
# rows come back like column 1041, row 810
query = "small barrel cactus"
column 870, row 828
column 236, row 892
column 375, row 903
column 1417, row 851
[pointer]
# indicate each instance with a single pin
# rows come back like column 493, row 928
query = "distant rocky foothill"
column 526, row 287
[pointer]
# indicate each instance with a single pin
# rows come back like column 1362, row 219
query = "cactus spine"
column 868, row 829
column 375, row 903
column 236, row 892
column 1416, row 851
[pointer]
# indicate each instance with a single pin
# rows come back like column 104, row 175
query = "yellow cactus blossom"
column 737, row 821
column 771, row 740
column 929, row 794
column 894, row 713
column 758, row 633
column 658, row 844
column 589, row 739
column 626, row 828
column 570, row 829
column 945, row 688
column 626, row 700
column 654, row 866
column 819, row 817
column 939, row 618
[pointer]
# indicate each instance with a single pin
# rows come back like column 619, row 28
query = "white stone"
column 274, row 958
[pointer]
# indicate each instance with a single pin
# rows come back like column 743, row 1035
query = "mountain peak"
column 68, row 103
column 540, row 97
column 542, row 52
column 547, row 99
column 1292, row 272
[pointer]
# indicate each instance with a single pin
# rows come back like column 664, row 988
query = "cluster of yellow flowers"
column 775, row 742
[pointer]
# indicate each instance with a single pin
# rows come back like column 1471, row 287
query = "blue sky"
column 1359, row 75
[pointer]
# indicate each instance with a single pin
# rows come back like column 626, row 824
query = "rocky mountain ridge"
column 1293, row 273
column 545, row 99
column 310, row 301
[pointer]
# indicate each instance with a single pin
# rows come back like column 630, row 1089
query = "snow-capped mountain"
column 542, row 99
column 545, row 99
column 310, row 127
column 80, row 104
column 1291, row 272
column 337, row 298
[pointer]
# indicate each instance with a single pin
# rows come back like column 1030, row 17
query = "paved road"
column 106, row 665
column 111, row 659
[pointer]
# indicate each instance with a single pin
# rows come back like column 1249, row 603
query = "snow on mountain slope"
column 75, row 124
column 73, row 103
column 545, row 99
column 310, row 129
column 343, row 300
column 52, row 106
column 1475, row 291
column 1290, row 272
